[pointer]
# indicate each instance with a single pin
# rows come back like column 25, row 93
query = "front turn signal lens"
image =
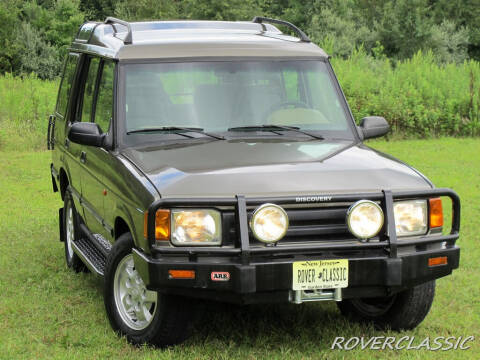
column 436, row 212
column 162, row 225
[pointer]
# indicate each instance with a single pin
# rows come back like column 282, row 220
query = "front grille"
column 306, row 224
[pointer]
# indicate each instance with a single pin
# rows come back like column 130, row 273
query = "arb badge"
column 220, row 276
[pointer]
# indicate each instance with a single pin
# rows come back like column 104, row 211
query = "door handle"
column 67, row 143
column 83, row 157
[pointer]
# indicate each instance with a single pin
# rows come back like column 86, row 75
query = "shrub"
column 419, row 97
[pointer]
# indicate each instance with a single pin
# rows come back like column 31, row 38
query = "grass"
column 25, row 104
column 49, row 312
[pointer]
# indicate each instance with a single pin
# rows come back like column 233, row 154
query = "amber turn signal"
column 436, row 261
column 436, row 212
column 162, row 225
column 181, row 274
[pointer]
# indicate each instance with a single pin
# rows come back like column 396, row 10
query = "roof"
column 180, row 39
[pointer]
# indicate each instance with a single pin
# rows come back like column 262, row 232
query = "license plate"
column 320, row 274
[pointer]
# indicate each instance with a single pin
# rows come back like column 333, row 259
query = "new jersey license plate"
column 320, row 274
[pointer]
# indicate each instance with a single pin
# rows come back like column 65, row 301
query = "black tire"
column 402, row 311
column 173, row 316
column 72, row 259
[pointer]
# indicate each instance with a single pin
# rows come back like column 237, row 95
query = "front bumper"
column 270, row 280
column 264, row 274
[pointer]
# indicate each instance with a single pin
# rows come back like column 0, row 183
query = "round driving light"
column 365, row 219
column 269, row 223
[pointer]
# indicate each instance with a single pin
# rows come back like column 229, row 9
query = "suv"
column 219, row 160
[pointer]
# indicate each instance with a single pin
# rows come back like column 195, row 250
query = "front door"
column 90, row 178
column 98, row 160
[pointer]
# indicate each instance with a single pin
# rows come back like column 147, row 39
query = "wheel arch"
column 120, row 227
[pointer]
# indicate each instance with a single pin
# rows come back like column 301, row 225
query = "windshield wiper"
column 176, row 129
column 275, row 127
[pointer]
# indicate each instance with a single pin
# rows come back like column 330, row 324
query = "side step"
column 90, row 255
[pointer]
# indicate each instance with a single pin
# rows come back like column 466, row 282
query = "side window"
column 104, row 105
column 89, row 90
column 66, row 85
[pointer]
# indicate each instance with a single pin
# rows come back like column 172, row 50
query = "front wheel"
column 141, row 315
column 402, row 311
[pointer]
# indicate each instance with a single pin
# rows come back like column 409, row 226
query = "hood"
column 262, row 167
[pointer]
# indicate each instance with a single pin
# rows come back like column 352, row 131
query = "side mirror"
column 86, row 133
column 374, row 126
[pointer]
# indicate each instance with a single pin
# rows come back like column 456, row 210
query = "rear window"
column 66, row 84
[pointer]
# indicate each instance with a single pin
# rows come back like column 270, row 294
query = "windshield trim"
column 121, row 89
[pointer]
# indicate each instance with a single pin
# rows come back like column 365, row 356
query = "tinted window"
column 89, row 90
column 66, row 85
column 104, row 107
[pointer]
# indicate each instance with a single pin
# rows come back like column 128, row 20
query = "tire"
column 402, row 311
column 167, row 319
column 71, row 233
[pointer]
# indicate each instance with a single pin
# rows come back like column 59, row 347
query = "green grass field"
column 49, row 312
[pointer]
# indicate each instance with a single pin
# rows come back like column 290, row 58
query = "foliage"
column 8, row 21
column 44, row 28
column 37, row 35
column 417, row 96
column 35, row 55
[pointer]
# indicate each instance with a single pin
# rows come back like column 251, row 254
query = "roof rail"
column 300, row 33
column 128, row 37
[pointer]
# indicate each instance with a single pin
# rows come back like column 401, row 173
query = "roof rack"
column 128, row 38
column 300, row 33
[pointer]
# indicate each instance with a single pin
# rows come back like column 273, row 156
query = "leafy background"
column 415, row 62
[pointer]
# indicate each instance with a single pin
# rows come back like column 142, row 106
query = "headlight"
column 365, row 219
column 269, row 223
column 410, row 217
column 196, row 227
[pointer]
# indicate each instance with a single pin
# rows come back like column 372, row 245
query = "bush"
column 417, row 96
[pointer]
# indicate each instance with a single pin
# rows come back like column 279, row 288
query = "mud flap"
column 60, row 224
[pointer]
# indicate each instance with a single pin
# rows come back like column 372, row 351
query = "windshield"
column 233, row 96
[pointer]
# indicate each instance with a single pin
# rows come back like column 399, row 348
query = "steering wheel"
column 275, row 107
